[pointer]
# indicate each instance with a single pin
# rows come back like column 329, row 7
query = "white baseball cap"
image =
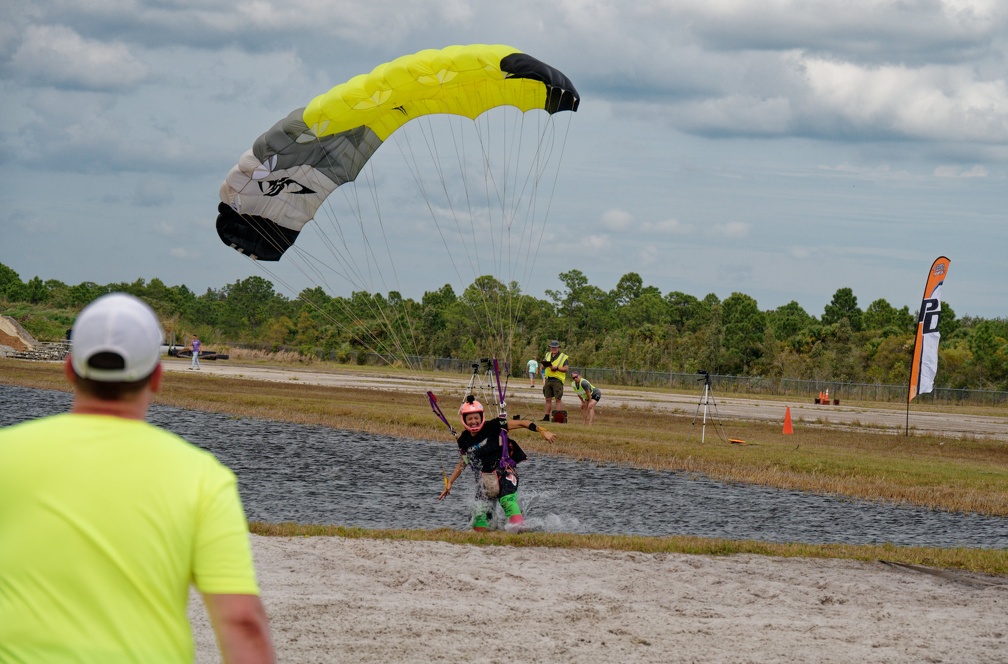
column 122, row 325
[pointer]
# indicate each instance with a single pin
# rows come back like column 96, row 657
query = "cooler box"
column 560, row 416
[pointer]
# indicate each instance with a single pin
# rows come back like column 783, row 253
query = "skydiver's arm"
column 459, row 467
column 548, row 436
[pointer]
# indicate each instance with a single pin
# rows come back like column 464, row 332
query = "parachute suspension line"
column 314, row 305
column 490, row 301
column 523, row 199
column 507, row 222
column 505, row 461
column 315, row 265
column 403, row 322
column 405, row 146
column 461, row 145
column 363, row 278
column 409, row 154
column 501, row 318
column 549, row 201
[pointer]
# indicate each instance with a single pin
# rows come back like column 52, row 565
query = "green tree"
column 788, row 320
column 582, row 307
column 880, row 315
column 36, row 291
column 948, row 324
column 684, row 311
column 248, row 304
column 306, row 330
column 843, row 305
column 10, row 284
column 988, row 350
column 744, row 328
column 627, row 289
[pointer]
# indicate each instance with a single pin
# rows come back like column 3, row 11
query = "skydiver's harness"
column 504, row 479
column 499, row 481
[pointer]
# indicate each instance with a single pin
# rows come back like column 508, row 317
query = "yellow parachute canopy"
column 278, row 185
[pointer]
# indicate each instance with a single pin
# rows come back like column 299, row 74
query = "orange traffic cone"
column 787, row 421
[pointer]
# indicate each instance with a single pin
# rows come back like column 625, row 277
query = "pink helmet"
column 470, row 405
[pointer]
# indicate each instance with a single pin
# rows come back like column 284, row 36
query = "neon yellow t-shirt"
column 104, row 522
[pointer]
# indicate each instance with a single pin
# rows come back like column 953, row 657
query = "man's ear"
column 155, row 381
column 68, row 371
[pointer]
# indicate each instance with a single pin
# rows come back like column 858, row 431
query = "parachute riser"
column 437, row 411
column 506, row 461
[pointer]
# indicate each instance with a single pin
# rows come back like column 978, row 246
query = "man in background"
column 533, row 369
column 555, row 365
column 196, row 347
column 106, row 519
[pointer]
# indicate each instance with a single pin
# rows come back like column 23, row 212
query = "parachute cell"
column 278, row 185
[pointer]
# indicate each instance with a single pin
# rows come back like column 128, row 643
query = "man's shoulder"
column 73, row 426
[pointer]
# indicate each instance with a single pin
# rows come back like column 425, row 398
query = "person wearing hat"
column 588, row 394
column 555, row 365
column 105, row 520
column 481, row 447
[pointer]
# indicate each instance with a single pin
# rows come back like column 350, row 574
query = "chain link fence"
column 749, row 385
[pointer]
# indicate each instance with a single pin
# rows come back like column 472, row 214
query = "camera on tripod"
column 707, row 398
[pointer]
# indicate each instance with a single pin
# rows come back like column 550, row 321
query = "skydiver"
column 480, row 447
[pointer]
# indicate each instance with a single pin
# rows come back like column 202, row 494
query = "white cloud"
column 648, row 255
column 958, row 172
column 732, row 229
column 152, row 193
column 667, row 227
column 868, row 171
column 616, row 220
column 595, row 243
column 56, row 55
column 184, row 253
column 164, row 229
column 932, row 103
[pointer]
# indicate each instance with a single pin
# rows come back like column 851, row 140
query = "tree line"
column 633, row 326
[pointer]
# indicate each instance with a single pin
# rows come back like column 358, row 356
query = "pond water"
column 312, row 474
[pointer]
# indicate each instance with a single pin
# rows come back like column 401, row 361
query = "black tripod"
column 706, row 398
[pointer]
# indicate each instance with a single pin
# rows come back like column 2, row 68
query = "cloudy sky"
column 782, row 149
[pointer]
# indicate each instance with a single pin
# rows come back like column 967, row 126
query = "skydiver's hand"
column 549, row 436
column 447, row 491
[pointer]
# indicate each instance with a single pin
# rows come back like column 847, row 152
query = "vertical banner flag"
column 925, row 357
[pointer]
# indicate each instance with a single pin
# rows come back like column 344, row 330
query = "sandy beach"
column 360, row 600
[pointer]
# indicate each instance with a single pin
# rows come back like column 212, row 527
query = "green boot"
column 513, row 512
column 481, row 521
